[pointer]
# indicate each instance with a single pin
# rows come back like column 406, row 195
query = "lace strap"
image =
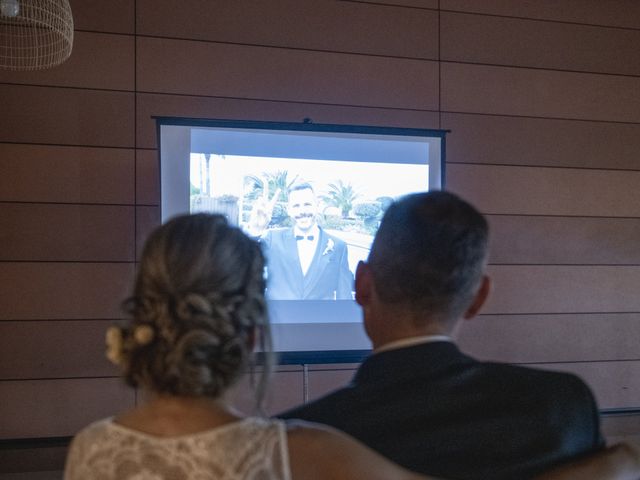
column 284, row 449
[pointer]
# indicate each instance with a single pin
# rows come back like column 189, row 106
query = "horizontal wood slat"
column 310, row 76
column 308, row 24
column 322, row 382
column 616, row 13
column 117, row 16
column 40, row 291
column 615, row 384
column 47, row 461
column 539, row 93
column 66, row 116
column 58, row 408
column 552, row 338
column 407, row 3
column 32, row 232
column 529, row 289
column 147, row 219
column 285, row 390
column 147, row 177
column 43, row 173
column 541, row 142
column 99, row 60
column 620, row 426
column 234, row 109
column 531, row 43
column 54, row 349
column 564, row 240
column 547, row 191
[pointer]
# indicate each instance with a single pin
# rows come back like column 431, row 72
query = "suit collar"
column 423, row 361
column 318, row 263
column 290, row 253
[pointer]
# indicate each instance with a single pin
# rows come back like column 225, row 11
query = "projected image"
column 313, row 195
column 315, row 218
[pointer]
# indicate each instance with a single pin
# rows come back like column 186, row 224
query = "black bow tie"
column 302, row 237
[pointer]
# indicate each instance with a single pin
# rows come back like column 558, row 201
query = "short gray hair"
column 430, row 253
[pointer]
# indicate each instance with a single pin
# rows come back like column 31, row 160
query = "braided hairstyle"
column 198, row 302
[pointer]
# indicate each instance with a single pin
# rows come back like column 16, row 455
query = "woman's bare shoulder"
column 321, row 452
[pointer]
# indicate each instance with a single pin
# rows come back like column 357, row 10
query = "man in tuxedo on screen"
column 303, row 262
column 420, row 401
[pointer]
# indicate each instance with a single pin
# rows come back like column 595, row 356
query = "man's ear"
column 481, row 297
column 363, row 283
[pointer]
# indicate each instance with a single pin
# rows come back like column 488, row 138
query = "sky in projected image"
column 369, row 180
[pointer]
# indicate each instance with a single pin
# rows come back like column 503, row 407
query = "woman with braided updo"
column 197, row 309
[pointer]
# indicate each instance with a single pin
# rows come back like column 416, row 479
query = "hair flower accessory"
column 143, row 335
column 114, row 342
column 329, row 247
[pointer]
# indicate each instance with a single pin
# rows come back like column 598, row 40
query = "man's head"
column 303, row 206
column 427, row 261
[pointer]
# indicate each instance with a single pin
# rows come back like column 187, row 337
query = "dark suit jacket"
column 437, row 411
column 328, row 277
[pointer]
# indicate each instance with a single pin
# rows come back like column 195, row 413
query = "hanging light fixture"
column 35, row 34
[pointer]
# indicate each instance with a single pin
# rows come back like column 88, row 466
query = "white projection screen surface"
column 337, row 180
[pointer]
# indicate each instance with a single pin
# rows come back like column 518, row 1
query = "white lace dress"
column 249, row 449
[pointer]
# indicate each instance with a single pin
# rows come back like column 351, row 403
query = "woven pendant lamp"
column 35, row 34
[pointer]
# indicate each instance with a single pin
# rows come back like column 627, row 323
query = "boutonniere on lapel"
column 329, row 247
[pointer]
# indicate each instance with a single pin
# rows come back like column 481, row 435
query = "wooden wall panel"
column 547, row 191
column 47, row 460
column 521, row 289
column 616, row 13
column 31, row 232
column 57, row 408
column 564, row 240
column 583, row 315
column 617, row 427
column 615, row 384
column 39, row 173
column 285, row 391
column 237, row 109
column 34, row 291
column 531, row 43
column 552, row 338
column 282, row 74
column 63, row 116
column 539, row 93
column 541, row 142
column 322, row 382
column 54, row 349
column 115, row 16
column 298, row 24
column 147, row 218
column 147, row 177
column 408, row 3
column 98, row 61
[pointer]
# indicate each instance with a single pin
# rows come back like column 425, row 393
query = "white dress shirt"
column 307, row 248
column 411, row 341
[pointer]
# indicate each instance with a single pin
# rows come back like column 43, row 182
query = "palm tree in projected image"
column 342, row 196
column 205, row 175
column 274, row 181
column 280, row 180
